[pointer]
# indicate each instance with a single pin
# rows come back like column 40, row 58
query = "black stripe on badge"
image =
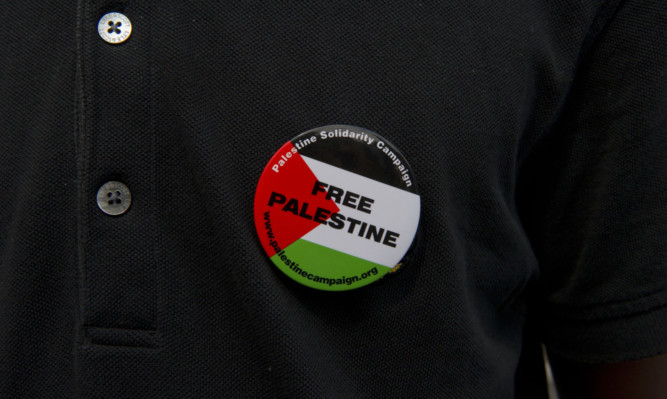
column 358, row 151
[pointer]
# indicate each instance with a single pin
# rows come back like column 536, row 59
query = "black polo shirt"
column 536, row 132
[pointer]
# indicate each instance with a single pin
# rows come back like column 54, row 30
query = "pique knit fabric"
column 536, row 133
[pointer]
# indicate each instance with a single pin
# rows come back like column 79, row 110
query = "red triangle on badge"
column 285, row 207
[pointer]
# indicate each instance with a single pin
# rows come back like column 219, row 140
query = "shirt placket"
column 118, row 242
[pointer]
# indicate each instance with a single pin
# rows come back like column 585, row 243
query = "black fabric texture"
column 536, row 133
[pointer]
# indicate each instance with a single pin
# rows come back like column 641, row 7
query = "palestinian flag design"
column 337, row 208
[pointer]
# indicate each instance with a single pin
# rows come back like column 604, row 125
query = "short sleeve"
column 594, row 197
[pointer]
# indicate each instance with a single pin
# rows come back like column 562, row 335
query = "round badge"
column 337, row 208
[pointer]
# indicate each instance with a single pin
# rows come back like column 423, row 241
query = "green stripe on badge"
column 325, row 268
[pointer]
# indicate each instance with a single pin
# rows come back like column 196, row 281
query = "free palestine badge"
column 337, row 208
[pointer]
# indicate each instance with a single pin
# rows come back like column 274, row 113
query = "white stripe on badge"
column 393, row 210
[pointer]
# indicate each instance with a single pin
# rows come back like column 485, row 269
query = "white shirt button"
column 114, row 28
column 114, row 198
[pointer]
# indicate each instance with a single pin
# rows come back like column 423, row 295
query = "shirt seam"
column 612, row 310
